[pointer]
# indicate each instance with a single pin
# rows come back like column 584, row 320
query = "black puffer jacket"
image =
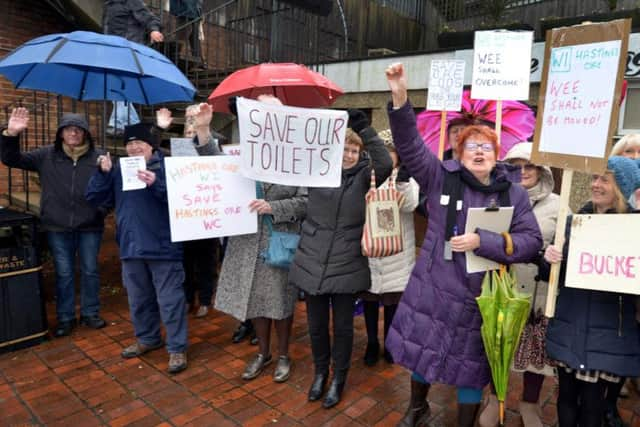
column 129, row 19
column 329, row 258
column 593, row 330
column 62, row 203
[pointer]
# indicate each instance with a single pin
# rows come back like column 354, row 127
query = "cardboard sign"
column 446, row 81
column 129, row 167
column 181, row 147
column 501, row 65
column 580, row 95
column 208, row 197
column 291, row 146
column 602, row 256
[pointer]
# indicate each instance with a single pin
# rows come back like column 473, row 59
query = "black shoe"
column 301, row 296
column 64, row 328
column 317, row 387
column 244, row 330
column 612, row 418
column 334, row 394
column 418, row 411
column 372, row 354
column 253, row 339
column 93, row 322
column 387, row 356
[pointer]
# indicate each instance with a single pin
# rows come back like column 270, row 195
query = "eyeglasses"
column 473, row 146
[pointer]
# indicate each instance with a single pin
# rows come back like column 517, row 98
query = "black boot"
column 418, row 411
column 372, row 353
column 317, row 387
column 244, row 330
column 467, row 413
column 334, row 394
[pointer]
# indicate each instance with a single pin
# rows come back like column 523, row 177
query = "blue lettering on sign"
column 561, row 59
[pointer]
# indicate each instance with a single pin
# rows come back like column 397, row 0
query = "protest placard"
column 580, row 95
column 291, row 146
column 181, row 147
column 611, row 265
column 446, row 80
column 501, row 65
column 231, row 149
column 129, row 167
column 208, row 197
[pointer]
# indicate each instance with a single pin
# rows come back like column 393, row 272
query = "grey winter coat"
column 329, row 258
column 130, row 19
column 248, row 288
column 63, row 183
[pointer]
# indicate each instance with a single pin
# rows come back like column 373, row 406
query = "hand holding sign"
column 147, row 176
column 260, row 206
column 553, row 254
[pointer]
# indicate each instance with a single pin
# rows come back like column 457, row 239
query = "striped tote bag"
column 382, row 234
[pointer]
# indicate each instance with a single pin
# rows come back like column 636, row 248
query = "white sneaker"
column 530, row 413
column 490, row 415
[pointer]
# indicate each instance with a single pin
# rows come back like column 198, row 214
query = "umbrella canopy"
column 504, row 313
column 293, row 84
column 89, row 66
column 518, row 121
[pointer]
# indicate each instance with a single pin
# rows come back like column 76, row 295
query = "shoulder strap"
column 265, row 218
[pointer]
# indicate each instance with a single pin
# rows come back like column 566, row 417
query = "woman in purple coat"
column 436, row 330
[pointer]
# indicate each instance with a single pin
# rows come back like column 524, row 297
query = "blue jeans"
column 64, row 247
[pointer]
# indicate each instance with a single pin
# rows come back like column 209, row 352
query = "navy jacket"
column 594, row 330
column 142, row 216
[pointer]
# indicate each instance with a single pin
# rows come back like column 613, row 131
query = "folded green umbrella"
column 504, row 313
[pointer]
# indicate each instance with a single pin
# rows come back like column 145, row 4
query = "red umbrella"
column 293, row 84
column 518, row 121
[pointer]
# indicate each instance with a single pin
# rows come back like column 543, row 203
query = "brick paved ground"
column 82, row 380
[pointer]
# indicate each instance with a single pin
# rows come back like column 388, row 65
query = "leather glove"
column 403, row 174
column 358, row 120
column 232, row 105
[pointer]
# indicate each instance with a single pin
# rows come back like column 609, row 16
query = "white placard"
column 446, row 80
column 497, row 221
column 501, row 65
column 291, row 146
column 603, row 253
column 579, row 98
column 208, row 197
column 129, row 167
column 181, row 147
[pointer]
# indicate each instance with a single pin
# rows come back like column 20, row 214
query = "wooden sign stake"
column 443, row 130
column 565, row 193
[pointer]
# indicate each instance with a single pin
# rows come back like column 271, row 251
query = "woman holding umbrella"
column 594, row 335
column 436, row 330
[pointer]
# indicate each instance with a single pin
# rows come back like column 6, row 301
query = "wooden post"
column 565, row 193
column 499, row 119
column 443, row 130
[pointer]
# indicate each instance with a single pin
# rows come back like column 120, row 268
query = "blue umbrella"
column 90, row 66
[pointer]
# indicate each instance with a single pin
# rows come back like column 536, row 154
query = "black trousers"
column 201, row 269
column 580, row 403
column 318, row 309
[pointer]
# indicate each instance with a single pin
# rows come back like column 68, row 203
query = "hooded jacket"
column 545, row 205
column 63, row 182
column 436, row 328
column 329, row 258
column 129, row 19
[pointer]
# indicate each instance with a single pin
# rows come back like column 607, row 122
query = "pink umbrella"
column 518, row 121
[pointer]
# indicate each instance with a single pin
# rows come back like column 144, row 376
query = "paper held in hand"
column 497, row 221
column 129, row 167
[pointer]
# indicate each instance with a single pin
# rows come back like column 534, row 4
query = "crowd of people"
column 431, row 319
